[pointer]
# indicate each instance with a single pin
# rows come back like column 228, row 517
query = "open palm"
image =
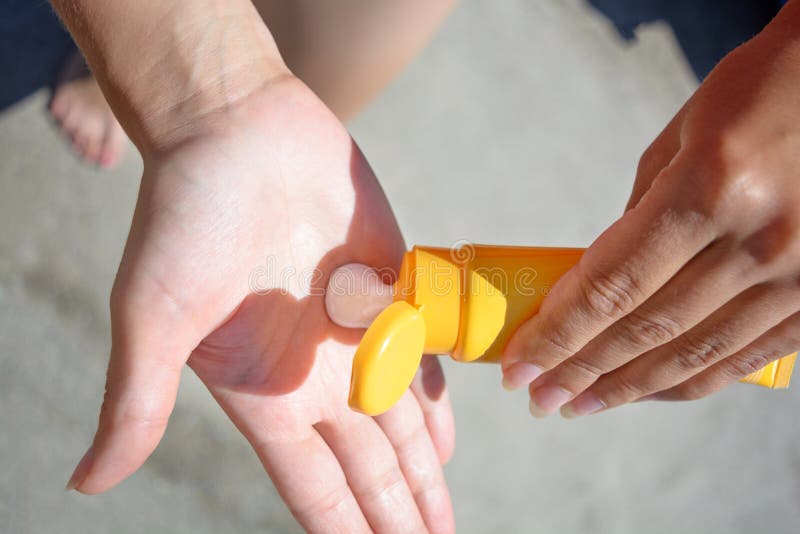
column 233, row 238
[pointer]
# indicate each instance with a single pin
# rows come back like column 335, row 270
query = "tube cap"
column 387, row 358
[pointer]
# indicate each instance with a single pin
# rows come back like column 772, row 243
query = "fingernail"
column 520, row 374
column 547, row 400
column 583, row 404
column 81, row 470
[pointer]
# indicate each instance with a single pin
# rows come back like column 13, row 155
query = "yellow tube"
column 466, row 302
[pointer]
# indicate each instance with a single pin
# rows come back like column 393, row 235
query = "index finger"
column 627, row 264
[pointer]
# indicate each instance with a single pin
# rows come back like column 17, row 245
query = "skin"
column 355, row 295
column 347, row 51
column 691, row 289
column 331, row 46
column 245, row 167
column 86, row 120
column 697, row 284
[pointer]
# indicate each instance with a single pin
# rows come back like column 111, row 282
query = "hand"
column 235, row 231
column 696, row 285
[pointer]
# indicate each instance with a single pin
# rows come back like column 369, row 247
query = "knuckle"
column 749, row 362
column 431, row 492
column 625, row 388
column 649, row 160
column 695, row 353
column 328, row 503
column 133, row 295
column 700, row 203
column 558, row 344
column 580, row 366
column 385, row 484
column 689, row 391
column 145, row 417
column 648, row 330
column 790, row 344
column 610, row 295
column 408, row 444
column 138, row 414
column 745, row 192
column 777, row 240
column 418, row 471
column 723, row 184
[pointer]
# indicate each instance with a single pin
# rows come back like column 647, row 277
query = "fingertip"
column 546, row 400
column 536, row 411
column 520, row 374
column 355, row 295
column 88, row 488
column 444, row 437
column 512, row 353
column 444, row 522
column 133, row 420
column 113, row 459
column 584, row 404
column 81, row 470
column 519, row 348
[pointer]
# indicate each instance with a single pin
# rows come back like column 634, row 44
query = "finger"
column 782, row 340
column 405, row 427
column 310, row 480
column 627, row 264
column 431, row 393
column 701, row 288
column 656, row 158
column 725, row 332
column 371, row 466
column 151, row 340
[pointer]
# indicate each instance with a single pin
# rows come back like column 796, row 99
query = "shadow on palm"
column 271, row 344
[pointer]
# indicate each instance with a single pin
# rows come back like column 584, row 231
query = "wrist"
column 203, row 76
column 168, row 66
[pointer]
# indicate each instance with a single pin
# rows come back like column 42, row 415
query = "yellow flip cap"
column 387, row 358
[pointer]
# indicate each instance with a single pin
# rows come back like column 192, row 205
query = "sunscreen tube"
column 464, row 302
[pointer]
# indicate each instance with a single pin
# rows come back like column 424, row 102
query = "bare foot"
column 85, row 117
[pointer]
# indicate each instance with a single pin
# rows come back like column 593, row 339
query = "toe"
column 87, row 120
column 113, row 145
column 58, row 106
column 92, row 150
column 80, row 142
column 93, row 132
column 71, row 121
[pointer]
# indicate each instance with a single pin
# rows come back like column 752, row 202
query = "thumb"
column 151, row 341
column 355, row 295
